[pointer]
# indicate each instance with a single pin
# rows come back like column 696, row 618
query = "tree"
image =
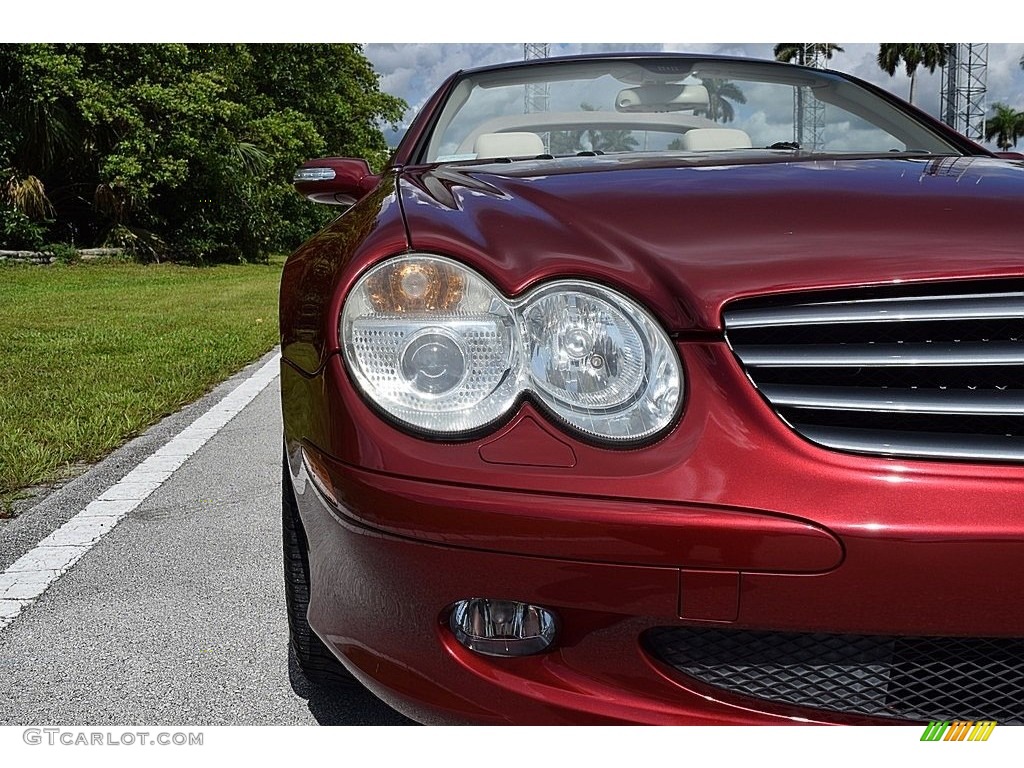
column 1006, row 126
column 613, row 141
column 802, row 53
column 720, row 95
column 180, row 149
column 565, row 142
column 592, row 139
column 912, row 55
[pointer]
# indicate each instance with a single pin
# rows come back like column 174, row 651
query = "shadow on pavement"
column 342, row 705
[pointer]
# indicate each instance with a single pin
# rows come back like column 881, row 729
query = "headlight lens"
column 432, row 344
column 583, row 351
column 436, row 347
column 599, row 361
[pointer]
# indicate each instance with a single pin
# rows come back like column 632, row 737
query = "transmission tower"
column 809, row 112
column 537, row 94
column 963, row 94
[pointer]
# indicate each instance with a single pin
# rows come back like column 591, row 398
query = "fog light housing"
column 502, row 627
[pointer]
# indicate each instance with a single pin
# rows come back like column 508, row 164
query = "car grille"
column 909, row 678
column 909, row 374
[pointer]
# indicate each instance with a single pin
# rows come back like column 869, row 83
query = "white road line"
column 29, row 576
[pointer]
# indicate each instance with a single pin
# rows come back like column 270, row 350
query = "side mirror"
column 335, row 180
column 1009, row 155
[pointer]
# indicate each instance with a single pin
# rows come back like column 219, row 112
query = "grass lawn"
column 93, row 354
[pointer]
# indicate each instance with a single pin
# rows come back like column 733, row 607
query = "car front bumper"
column 745, row 528
column 381, row 603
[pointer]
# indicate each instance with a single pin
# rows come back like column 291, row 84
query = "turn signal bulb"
column 416, row 286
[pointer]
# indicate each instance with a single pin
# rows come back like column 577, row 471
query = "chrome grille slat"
column 928, row 444
column 858, row 355
column 925, row 373
column 921, row 308
column 959, row 401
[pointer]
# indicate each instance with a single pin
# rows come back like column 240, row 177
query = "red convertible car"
column 661, row 389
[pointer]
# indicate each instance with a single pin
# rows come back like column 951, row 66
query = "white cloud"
column 413, row 71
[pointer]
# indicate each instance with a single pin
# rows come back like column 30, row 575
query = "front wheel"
column 317, row 663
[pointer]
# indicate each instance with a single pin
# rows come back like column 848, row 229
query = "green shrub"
column 20, row 233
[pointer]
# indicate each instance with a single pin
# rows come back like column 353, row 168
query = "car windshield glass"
column 668, row 105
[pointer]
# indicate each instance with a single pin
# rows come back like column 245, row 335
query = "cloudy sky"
column 394, row 33
column 413, row 70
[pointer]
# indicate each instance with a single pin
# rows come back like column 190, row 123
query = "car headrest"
column 512, row 144
column 699, row 139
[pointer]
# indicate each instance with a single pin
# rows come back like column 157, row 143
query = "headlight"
column 437, row 348
column 599, row 361
column 432, row 344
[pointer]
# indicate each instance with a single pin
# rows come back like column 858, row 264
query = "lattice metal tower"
column 963, row 93
column 808, row 112
column 537, row 94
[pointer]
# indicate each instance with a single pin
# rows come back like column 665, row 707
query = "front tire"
column 317, row 663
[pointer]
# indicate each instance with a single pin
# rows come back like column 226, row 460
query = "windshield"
column 668, row 105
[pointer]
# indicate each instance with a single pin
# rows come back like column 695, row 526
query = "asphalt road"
column 176, row 616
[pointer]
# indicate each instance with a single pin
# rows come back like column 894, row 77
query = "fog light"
column 502, row 627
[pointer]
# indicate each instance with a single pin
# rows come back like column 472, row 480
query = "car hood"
column 687, row 233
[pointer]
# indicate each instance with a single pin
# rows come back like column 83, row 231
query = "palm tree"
column 803, row 53
column 613, row 141
column 1005, row 126
column 591, row 139
column 913, row 55
column 565, row 142
column 720, row 94
column 27, row 195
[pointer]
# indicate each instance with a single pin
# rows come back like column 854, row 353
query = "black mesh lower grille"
column 909, row 678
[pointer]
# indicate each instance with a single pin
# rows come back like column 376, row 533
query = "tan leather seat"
column 702, row 139
column 512, row 144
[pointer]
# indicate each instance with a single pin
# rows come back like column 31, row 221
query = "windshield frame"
column 415, row 147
